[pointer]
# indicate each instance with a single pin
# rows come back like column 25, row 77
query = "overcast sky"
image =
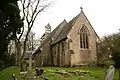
column 104, row 15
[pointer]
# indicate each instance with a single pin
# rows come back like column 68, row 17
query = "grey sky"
column 104, row 15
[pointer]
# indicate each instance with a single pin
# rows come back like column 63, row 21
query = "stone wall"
column 60, row 54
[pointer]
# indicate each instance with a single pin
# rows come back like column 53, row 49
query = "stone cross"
column 30, row 75
column 30, row 62
column 110, row 73
column 81, row 8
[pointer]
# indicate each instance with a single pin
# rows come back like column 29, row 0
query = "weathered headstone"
column 110, row 73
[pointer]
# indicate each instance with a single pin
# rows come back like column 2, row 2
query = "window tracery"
column 84, row 37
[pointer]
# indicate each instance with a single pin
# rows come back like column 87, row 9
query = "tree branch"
column 23, row 6
column 30, row 18
column 21, row 34
column 37, row 14
column 34, row 11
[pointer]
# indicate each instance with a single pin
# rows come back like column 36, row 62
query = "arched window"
column 84, row 37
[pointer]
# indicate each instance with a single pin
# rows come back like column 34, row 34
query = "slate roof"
column 65, row 30
column 53, row 35
column 58, row 32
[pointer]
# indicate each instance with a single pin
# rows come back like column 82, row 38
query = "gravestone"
column 110, row 73
column 30, row 75
column 39, row 71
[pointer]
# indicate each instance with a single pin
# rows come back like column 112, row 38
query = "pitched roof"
column 60, row 28
column 66, row 29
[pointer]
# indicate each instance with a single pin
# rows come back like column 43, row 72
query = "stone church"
column 72, row 43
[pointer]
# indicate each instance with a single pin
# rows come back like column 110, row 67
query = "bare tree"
column 33, row 42
column 30, row 9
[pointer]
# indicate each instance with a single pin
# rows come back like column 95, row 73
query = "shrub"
column 105, row 63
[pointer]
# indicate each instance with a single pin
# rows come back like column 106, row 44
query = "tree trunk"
column 25, row 46
column 18, row 52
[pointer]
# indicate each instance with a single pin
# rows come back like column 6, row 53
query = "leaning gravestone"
column 110, row 73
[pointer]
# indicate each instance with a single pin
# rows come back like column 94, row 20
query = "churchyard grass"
column 6, row 74
column 94, row 73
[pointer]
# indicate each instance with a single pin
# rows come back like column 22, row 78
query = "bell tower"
column 48, row 29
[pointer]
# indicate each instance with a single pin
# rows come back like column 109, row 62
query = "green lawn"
column 93, row 74
column 6, row 74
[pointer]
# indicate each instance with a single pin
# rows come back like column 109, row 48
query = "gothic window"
column 84, row 37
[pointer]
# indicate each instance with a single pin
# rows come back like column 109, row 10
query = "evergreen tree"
column 10, row 25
